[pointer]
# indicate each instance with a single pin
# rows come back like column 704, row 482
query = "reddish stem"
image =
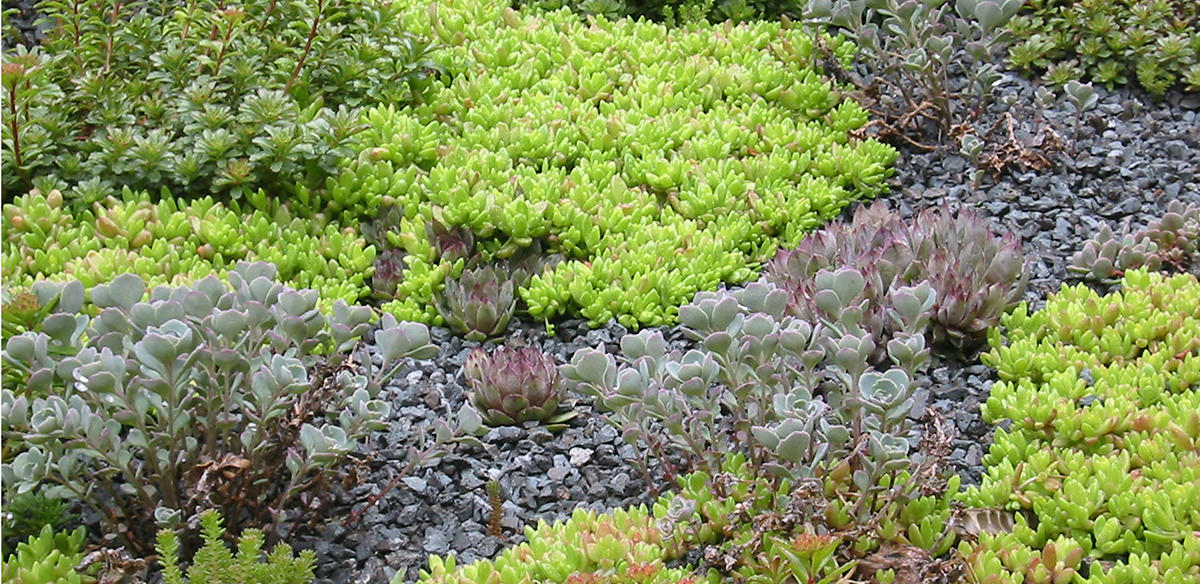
column 12, row 123
column 267, row 15
column 212, row 34
column 312, row 34
column 224, row 45
column 108, row 49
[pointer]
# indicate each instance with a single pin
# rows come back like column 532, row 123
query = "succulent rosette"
column 449, row 243
column 479, row 304
column 976, row 274
column 514, row 385
column 389, row 272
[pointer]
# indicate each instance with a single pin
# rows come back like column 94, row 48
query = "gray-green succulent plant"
column 177, row 399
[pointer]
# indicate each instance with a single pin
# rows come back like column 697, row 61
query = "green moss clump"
column 214, row 562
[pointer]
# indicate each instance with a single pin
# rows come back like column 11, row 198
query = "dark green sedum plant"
column 1171, row 242
column 195, row 397
column 658, row 162
column 215, row 564
column 512, row 385
column 1113, row 42
column 203, row 97
column 977, row 276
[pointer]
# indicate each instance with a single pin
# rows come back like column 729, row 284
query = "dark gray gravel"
column 443, row 507
column 1119, row 164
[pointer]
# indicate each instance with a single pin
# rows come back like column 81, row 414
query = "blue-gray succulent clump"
column 795, row 396
column 1171, row 242
column 170, row 401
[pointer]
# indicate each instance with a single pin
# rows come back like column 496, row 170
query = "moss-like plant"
column 659, row 162
column 214, row 563
column 26, row 514
column 1155, row 43
column 1103, row 397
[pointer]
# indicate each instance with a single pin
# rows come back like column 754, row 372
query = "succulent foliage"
column 746, row 529
column 797, row 398
column 175, row 242
column 1113, row 42
column 674, row 12
column 216, row 564
column 202, row 97
column 21, row 311
column 1101, row 394
column 658, row 162
column 479, row 304
column 170, row 401
column 623, row 546
column 912, row 51
column 976, row 275
column 513, row 385
column 800, row 442
column 48, row 557
column 1168, row 243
